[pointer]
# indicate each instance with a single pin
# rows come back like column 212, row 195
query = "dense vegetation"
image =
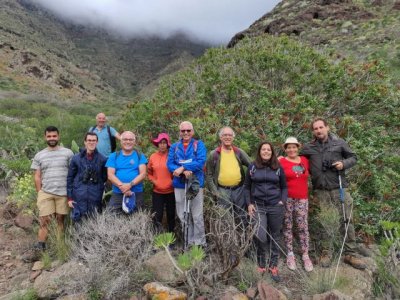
column 270, row 88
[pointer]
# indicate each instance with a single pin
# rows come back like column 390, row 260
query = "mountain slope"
column 42, row 54
column 364, row 29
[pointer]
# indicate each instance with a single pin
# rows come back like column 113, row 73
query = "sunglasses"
column 186, row 130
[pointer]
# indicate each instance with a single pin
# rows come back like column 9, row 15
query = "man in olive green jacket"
column 225, row 173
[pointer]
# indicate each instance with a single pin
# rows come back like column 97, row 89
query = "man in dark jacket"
column 225, row 173
column 86, row 177
column 329, row 157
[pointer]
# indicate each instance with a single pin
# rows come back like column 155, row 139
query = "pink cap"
column 161, row 136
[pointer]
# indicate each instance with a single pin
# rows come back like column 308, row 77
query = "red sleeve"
column 305, row 162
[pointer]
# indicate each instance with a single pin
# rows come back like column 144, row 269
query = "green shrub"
column 269, row 88
column 24, row 194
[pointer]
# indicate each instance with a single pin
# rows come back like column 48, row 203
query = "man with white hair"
column 107, row 135
column 225, row 173
column 186, row 159
column 126, row 169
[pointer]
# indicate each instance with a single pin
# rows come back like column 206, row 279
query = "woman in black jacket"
column 266, row 194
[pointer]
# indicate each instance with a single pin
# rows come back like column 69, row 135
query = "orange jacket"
column 158, row 173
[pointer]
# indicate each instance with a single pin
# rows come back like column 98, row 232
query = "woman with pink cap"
column 163, row 191
column 296, row 169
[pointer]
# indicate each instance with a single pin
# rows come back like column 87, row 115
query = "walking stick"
column 186, row 218
column 341, row 196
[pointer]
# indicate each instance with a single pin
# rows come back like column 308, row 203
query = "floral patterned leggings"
column 296, row 212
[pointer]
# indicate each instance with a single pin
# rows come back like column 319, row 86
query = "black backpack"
column 113, row 141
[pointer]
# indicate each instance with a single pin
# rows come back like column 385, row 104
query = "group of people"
column 271, row 191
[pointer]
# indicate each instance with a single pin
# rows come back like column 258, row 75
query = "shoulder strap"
column 215, row 157
column 252, row 168
column 109, row 132
column 92, row 128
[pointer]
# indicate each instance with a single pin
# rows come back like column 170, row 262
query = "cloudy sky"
column 214, row 21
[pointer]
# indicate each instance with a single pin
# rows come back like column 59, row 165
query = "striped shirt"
column 53, row 165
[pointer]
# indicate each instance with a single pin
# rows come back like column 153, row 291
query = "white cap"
column 291, row 140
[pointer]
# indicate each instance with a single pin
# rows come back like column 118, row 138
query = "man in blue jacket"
column 186, row 158
column 86, row 177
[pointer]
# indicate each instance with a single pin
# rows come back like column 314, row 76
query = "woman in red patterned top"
column 297, row 171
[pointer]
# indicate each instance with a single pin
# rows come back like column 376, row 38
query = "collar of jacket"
column 84, row 151
column 235, row 149
column 331, row 137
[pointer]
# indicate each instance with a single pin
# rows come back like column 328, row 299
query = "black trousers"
column 268, row 219
column 159, row 202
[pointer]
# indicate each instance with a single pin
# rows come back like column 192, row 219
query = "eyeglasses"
column 186, row 130
column 128, row 140
column 91, row 141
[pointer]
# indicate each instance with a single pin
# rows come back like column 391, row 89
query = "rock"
column 161, row 267
column 396, row 5
column 38, row 265
column 34, row 275
column 10, row 211
column 23, row 221
column 55, row 264
column 239, row 296
column 52, row 284
column 6, row 254
column 251, row 293
column 30, row 255
column 268, row 292
column 9, row 265
column 17, row 281
column 156, row 290
column 201, row 298
column 331, row 295
column 17, row 232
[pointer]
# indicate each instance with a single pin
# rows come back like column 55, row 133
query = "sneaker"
column 308, row 266
column 261, row 270
column 325, row 259
column 291, row 262
column 40, row 246
column 274, row 273
column 355, row 262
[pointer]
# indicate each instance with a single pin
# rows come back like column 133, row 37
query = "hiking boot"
column 355, row 262
column 291, row 262
column 325, row 259
column 274, row 273
column 39, row 246
column 308, row 266
column 363, row 250
column 261, row 270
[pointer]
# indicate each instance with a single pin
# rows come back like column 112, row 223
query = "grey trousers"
column 196, row 226
column 333, row 198
column 233, row 199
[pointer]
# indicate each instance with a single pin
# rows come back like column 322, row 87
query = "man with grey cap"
column 225, row 173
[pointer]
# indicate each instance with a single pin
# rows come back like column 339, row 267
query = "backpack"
column 113, row 141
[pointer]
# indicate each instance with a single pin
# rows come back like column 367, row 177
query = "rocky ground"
column 16, row 236
column 14, row 240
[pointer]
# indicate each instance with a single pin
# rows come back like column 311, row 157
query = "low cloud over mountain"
column 213, row 21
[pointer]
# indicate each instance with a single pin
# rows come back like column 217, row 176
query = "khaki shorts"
column 49, row 204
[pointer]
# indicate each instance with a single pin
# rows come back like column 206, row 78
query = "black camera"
column 326, row 165
column 89, row 176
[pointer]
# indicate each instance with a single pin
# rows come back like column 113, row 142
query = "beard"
column 52, row 144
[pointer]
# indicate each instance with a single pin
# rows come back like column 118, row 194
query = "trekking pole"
column 186, row 219
column 341, row 196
